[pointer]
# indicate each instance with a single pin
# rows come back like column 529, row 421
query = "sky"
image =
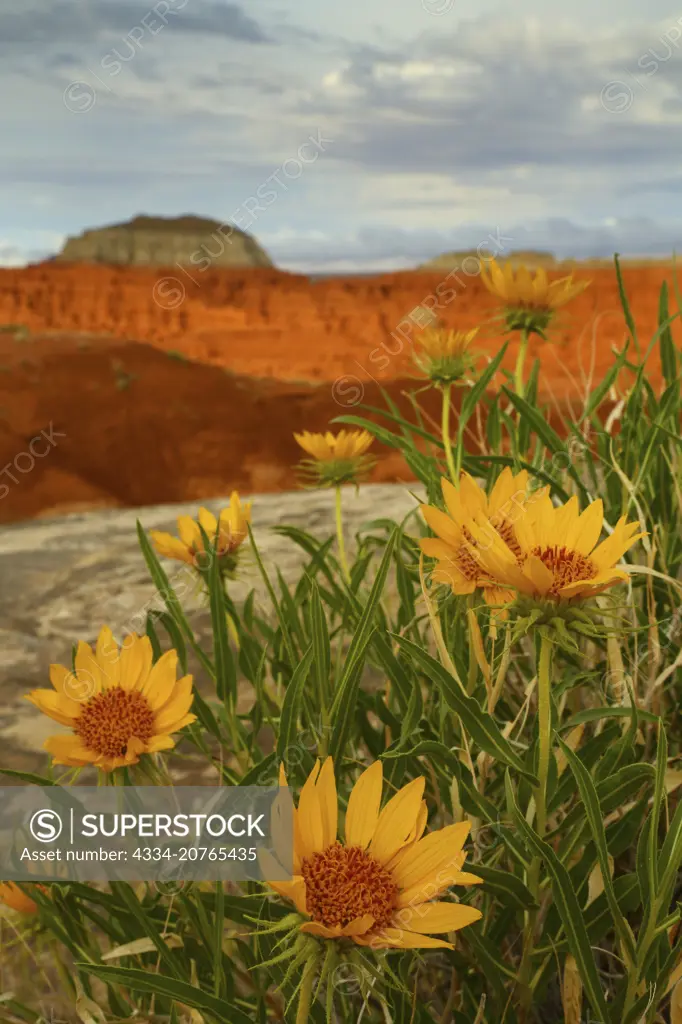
column 346, row 135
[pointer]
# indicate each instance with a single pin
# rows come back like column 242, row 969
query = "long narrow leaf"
column 567, row 905
column 479, row 725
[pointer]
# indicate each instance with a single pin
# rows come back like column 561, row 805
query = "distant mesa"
column 531, row 258
column 166, row 241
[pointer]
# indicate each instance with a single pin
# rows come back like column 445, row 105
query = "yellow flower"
column 459, row 561
column 529, row 303
column 190, row 548
column 444, row 355
column 558, row 558
column 347, row 444
column 335, row 459
column 14, row 898
column 378, row 888
column 117, row 705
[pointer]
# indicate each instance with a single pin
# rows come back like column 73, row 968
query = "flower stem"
column 445, row 431
column 544, row 730
column 339, row 536
column 545, row 740
column 305, row 996
column 519, row 384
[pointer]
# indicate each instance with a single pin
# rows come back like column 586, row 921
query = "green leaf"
column 595, row 714
column 171, row 627
column 657, row 803
column 509, row 889
column 601, row 391
column 260, row 771
column 670, row 859
column 400, row 681
column 546, row 433
column 168, row 988
column 286, row 635
column 413, row 714
column 629, row 319
column 205, row 715
column 567, row 905
column 291, row 708
column 126, row 894
column 30, row 777
column 345, row 698
column 225, row 674
column 666, row 344
column 479, row 725
column 471, row 398
column 442, row 753
column 590, row 802
column 170, row 598
column 357, row 421
column 320, row 638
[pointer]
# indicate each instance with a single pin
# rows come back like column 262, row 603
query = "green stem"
column 544, row 731
column 305, row 997
column 339, row 536
column 445, row 431
column 545, row 742
column 519, row 384
column 473, row 664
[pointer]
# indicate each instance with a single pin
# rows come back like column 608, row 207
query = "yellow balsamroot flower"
column 377, row 887
column 444, row 355
column 459, row 561
column 347, row 444
column 117, row 705
column 559, row 559
column 529, row 302
column 189, row 547
column 335, row 459
column 16, row 899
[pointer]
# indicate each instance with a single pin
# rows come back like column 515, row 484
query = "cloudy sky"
column 346, row 134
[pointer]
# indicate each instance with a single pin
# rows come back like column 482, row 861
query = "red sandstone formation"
column 159, row 418
column 267, row 323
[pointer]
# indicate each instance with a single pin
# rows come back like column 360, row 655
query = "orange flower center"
column 110, row 719
column 466, row 562
column 506, row 532
column 227, row 545
column 567, row 566
column 345, row 882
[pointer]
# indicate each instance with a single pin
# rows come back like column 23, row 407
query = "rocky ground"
column 62, row 579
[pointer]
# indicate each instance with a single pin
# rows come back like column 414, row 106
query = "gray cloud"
column 512, row 118
column 463, row 103
column 376, row 248
column 49, row 22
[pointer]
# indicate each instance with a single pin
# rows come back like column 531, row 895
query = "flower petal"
column 107, row 656
column 157, row 743
column 136, row 660
column 88, row 672
column 158, row 686
column 431, row 854
column 311, row 829
column 55, row 706
column 69, row 750
column 329, row 805
column 398, row 938
column 170, row 547
column 190, row 534
column 442, row 525
column 364, row 802
column 432, row 918
column 397, row 820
